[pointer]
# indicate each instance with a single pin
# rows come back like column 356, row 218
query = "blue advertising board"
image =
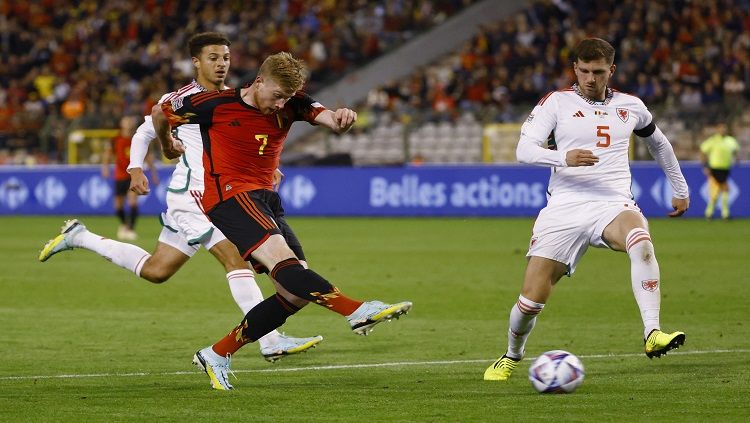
column 482, row 190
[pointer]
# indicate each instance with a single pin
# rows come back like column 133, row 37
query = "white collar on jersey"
column 199, row 86
column 607, row 96
column 202, row 88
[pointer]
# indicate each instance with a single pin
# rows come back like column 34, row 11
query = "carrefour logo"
column 298, row 191
column 13, row 193
column 95, row 191
column 50, row 192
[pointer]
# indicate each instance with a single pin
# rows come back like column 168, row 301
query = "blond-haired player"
column 185, row 226
column 244, row 130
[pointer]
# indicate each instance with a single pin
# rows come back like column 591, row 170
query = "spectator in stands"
column 62, row 47
column 114, row 49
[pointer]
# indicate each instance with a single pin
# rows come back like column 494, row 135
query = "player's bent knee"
column 155, row 275
column 273, row 251
column 157, row 271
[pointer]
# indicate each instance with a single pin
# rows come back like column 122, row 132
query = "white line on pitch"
column 348, row 366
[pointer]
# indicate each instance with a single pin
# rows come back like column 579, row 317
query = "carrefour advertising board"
column 507, row 190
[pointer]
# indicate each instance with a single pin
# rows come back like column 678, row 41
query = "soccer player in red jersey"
column 120, row 149
column 185, row 228
column 243, row 135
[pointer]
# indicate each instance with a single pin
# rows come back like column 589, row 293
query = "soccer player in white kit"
column 588, row 128
column 185, row 226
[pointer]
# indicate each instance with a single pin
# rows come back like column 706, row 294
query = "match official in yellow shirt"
column 718, row 154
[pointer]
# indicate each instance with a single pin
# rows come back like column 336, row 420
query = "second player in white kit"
column 583, row 134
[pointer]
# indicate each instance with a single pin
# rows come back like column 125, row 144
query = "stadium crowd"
column 76, row 65
column 70, row 64
column 688, row 57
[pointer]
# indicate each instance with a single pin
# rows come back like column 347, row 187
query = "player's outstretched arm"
column 139, row 153
column 338, row 121
column 140, row 143
column 662, row 151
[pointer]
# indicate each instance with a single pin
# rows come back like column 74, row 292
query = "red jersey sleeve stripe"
column 200, row 98
column 179, row 92
column 174, row 119
column 544, row 98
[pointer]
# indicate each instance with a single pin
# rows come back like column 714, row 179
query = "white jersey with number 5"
column 568, row 120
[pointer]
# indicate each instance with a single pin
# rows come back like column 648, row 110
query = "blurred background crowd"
column 71, row 65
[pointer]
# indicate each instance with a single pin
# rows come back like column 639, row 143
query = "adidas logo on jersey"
column 578, row 114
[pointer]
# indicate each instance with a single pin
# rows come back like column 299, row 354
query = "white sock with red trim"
column 127, row 256
column 644, row 277
column 522, row 320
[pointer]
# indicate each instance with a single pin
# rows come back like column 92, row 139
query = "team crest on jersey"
column 228, row 188
column 623, row 114
column 650, row 285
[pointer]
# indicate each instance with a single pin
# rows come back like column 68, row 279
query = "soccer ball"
column 557, row 371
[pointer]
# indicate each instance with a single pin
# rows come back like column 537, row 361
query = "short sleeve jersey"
column 572, row 121
column 720, row 151
column 241, row 146
column 121, row 149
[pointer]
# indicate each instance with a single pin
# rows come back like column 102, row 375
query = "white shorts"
column 185, row 226
column 563, row 232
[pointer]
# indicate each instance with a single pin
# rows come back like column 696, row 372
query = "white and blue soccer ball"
column 557, row 372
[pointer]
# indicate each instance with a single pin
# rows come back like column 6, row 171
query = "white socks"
column 132, row 257
column 247, row 295
column 127, row 256
column 522, row 320
column 644, row 277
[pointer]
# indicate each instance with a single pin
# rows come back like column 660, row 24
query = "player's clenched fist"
column 580, row 157
column 138, row 182
column 173, row 148
column 680, row 206
column 345, row 118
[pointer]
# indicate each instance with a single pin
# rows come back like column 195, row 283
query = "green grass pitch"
column 83, row 340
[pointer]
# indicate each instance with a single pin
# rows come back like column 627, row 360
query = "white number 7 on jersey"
column 601, row 132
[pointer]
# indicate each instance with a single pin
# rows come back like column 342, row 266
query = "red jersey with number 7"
column 241, row 146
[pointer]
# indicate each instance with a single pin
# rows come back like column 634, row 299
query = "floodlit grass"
column 83, row 340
